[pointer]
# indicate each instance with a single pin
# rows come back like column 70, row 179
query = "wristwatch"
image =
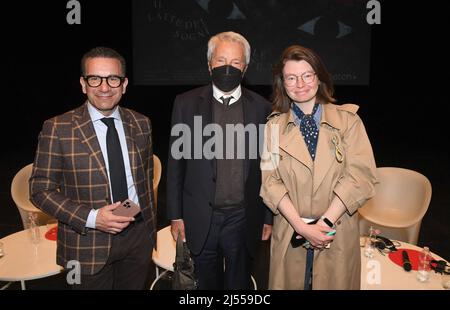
column 327, row 221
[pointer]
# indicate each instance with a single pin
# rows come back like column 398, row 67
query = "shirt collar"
column 317, row 116
column 217, row 93
column 96, row 115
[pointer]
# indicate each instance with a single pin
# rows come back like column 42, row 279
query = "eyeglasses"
column 307, row 78
column 113, row 81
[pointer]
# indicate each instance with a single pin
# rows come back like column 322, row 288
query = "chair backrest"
column 157, row 170
column 20, row 192
column 21, row 197
column 401, row 200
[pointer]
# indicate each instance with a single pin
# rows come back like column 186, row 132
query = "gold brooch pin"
column 337, row 150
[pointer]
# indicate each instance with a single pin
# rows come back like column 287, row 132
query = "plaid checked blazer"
column 69, row 179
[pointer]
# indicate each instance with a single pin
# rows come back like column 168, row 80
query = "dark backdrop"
column 403, row 106
column 336, row 29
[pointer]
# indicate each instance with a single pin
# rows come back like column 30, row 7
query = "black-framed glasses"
column 307, row 78
column 113, row 81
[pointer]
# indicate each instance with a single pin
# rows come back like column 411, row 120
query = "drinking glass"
column 446, row 281
column 369, row 250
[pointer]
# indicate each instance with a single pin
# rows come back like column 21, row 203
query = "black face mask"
column 226, row 78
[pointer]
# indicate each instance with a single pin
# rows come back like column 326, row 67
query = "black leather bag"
column 183, row 268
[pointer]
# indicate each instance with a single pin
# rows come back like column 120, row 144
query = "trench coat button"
column 338, row 222
column 210, row 204
column 214, row 180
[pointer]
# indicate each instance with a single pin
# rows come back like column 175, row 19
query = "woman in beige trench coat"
column 327, row 171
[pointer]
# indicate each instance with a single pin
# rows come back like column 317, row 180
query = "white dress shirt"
column 100, row 130
column 217, row 93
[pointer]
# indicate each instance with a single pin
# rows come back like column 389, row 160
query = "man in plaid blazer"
column 71, row 180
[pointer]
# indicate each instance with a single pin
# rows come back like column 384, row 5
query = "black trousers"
column 128, row 262
column 224, row 262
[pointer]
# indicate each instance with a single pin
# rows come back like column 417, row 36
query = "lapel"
column 204, row 103
column 250, row 117
column 325, row 153
column 292, row 142
column 204, row 109
column 85, row 131
column 133, row 151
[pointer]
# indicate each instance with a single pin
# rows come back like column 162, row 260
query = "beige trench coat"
column 311, row 187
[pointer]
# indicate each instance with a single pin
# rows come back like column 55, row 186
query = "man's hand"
column 175, row 227
column 107, row 222
column 267, row 231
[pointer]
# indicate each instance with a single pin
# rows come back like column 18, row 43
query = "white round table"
column 164, row 256
column 380, row 273
column 24, row 260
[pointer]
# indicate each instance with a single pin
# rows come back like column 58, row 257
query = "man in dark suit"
column 88, row 160
column 213, row 174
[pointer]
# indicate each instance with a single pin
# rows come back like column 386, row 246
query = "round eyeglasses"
column 307, row 78
column 113, row 81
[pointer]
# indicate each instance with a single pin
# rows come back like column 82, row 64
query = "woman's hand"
column 317, row 235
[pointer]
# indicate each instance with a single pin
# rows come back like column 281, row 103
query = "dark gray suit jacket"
column 191, row 182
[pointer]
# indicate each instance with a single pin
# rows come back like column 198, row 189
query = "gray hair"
column 228, row 36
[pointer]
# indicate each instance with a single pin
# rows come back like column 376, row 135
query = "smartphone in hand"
column 295, row 243
column 330, row 233
column 127, row 208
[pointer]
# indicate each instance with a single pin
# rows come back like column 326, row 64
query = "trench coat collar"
column 292, row 142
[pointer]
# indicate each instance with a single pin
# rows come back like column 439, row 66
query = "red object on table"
column 413, row 255
column 52, row 233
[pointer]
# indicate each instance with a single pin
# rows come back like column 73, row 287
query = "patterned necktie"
column 117, row 175
column 308, row 128
column 226, row 101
